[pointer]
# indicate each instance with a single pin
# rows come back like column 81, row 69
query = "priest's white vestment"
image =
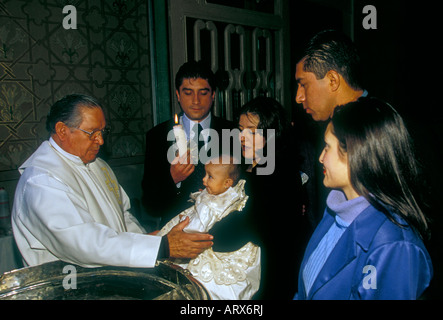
column 67, row 210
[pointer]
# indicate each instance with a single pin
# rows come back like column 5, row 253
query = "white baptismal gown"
column 226, row 275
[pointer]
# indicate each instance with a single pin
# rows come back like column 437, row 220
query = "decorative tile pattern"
column 107, row 56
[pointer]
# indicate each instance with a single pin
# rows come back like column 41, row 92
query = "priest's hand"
column 181, row 168
column 187, row 245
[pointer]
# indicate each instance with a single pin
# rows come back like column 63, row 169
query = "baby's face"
column 216, row 179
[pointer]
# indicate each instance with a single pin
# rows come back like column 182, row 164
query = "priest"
column 69, row 205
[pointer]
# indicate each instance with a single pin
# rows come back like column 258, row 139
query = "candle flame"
column 176, row 119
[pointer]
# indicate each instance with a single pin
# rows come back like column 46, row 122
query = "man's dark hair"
column 194, row 70
column 68, row 110
column 332, row 50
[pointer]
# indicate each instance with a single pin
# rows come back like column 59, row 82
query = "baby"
column 226, row 275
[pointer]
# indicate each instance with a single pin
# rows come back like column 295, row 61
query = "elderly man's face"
column 79, row 143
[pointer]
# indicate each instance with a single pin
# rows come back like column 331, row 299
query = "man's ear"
column 178, row 95
column 334, row 80
column 61, row 130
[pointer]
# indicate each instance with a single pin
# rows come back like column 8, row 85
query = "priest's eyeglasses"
column 94, row 134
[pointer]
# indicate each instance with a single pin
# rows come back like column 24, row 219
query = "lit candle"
column 180, row 137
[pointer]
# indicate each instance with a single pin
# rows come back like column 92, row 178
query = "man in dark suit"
column 328, row 74
column 167, row 185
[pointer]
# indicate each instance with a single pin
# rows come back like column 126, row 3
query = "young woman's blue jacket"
column 374, row 259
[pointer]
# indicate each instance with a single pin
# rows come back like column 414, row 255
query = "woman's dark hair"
column 271, row 115
column 68, row 111
column 382, row 164
column 194, row 70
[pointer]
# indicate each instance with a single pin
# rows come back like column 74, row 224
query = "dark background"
column 402, row 60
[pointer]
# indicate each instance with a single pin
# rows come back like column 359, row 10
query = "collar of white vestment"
column 68, row 155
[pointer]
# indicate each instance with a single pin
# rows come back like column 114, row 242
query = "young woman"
column 368, row 244
column 275, row 196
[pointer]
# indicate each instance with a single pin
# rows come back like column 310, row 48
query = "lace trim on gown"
column 224, row 267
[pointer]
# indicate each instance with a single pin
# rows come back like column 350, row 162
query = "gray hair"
column 68, row 110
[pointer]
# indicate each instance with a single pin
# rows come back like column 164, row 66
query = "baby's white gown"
column 226, row 275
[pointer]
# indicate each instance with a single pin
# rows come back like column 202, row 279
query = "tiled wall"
column 107, row 56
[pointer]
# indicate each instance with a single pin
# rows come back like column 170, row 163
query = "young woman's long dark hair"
column 382, row 164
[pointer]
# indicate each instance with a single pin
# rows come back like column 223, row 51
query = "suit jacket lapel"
column 360, row 232
column 318, row 234
column 343, row 253
column 316, row 237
